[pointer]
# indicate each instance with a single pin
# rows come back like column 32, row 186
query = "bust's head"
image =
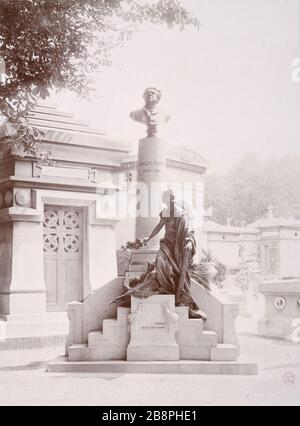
column 151, row 96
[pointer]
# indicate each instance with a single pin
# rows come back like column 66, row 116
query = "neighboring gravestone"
column 153, row 326
column 282, row 309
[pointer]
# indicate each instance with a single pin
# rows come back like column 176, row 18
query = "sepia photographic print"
column 149, row 205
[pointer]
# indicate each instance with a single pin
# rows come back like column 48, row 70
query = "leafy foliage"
column 21, row 136
column 209, row 257
column 244, row 193
column 221, row 273
column 49, row 44
column 134, row 245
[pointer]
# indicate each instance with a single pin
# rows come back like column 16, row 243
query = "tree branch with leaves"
column 47, row 44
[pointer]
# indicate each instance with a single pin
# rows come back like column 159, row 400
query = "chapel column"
column 22, row 286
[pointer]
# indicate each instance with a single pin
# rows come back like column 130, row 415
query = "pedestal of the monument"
column 153, row 336
column 151, row 177
column 153, row 327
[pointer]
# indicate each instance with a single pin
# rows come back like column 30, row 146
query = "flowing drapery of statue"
column 174, row 265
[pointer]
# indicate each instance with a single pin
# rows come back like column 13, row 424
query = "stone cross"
column 270, row 211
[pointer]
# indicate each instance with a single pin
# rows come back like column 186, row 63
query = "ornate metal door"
column 63, row 256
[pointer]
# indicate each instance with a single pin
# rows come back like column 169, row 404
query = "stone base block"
column 153, row 327
column 195, row 352
column 198, row 348
column 153, row 353
column 104, row 352
column 242, row 366
column 276, row 327
column 224, row 352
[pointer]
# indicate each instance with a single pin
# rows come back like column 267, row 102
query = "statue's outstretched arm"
column 155, row 231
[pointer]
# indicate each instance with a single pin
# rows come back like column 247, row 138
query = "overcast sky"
column 228, row 86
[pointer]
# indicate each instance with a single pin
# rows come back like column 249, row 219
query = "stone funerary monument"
column 162, row 329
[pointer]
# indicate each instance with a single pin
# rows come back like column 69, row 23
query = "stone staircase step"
column 110, row 343
column 143, row 258
column 137, row 267
column 109, row 323
column 188, row 327
column 103, row 352
column 145, row 250
column 198, row 348
column 210, row 335
column 224, row 352
column 194, row 343
column 183, row 312
column 79, row 346
column 95, row 338
column 78, row 352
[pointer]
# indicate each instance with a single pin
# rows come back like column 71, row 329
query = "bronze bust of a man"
column 150, row 114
